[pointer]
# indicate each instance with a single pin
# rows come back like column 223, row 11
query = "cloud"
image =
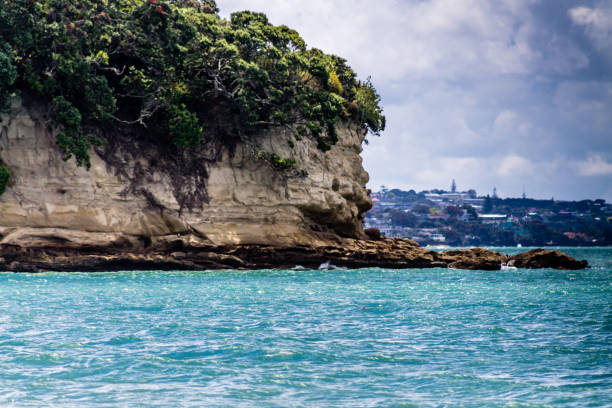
column 597, row 22
column 489, row 92
column 447, row 39
column 441, row 171
column 514, row 165
column 594, row 165
column 506, row 120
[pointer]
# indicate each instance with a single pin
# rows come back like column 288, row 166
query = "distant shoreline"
column 463, row 218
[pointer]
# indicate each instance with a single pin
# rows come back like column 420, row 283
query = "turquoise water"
column 371, row 337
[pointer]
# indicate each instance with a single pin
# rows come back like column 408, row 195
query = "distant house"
column 474, row 202
column 492, row 218
column 455, row 197
column 577, row 236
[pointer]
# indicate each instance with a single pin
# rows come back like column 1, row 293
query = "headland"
column 160, row 136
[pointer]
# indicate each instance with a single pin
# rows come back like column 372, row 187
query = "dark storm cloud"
column 499, row 93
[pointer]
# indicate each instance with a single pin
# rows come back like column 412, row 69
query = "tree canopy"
column 175, row 68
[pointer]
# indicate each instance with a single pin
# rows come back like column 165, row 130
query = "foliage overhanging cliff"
column 176, row 69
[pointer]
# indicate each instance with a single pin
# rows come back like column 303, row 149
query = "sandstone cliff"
column 131, row 197
column 140, row 208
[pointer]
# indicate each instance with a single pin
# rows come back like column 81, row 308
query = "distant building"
column 437, row 217
column 577, row 236
column 474, row 201
column 492, row 218
column 455, row 196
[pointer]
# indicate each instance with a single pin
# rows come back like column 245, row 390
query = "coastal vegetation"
column 175, row 73
column 5, row 175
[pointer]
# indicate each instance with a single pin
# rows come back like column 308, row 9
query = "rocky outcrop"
column 141, row 208
column 184, row 254
column 134, row 191
column 477, row 258
column 542, row 258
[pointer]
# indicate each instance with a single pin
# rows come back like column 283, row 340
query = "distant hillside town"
column 463, row 218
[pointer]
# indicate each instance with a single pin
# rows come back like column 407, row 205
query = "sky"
column 513, row 94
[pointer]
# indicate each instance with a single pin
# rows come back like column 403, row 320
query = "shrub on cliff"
column 334, row 84
column 369, row 110
column 184, row 128
column 174, row 68
column 5, row 175
column 8, row 74
column 277, row 162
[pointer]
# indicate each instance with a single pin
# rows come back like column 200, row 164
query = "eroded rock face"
column 138, row 208
column 129, row 196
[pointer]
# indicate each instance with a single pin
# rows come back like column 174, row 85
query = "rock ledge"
column 180, row 254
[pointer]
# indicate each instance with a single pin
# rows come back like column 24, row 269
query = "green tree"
column 184, row 128
column 163, row 68
column 453, row 211
column 370, row 112
column 488, row 205
column 8, row 74
column 5, row 175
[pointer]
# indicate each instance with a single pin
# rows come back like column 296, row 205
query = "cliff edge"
column 134, row 196
column 134, row 210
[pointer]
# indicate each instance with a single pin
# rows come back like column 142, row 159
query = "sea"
column 310, row 338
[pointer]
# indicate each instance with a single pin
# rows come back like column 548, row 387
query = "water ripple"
column 371, row 337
